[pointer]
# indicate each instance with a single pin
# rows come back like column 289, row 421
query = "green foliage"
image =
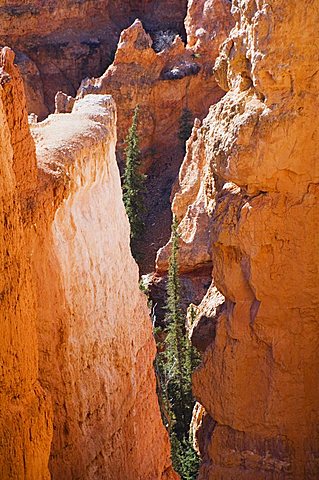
column 134, row 183
column 174, row 365
column 185, row 126
column 185, row 460
column 143, row 287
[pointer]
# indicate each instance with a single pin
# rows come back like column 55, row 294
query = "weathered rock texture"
column 140, row 76
column 207, row 25
column 246, row 199
column 60, row 43
column 96, row 344
column 163, row 84
column 25, row 410
column 67, row 271
column 78, row 40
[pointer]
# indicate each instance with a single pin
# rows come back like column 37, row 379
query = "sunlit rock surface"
column 95, row 336
column 60, row 43
column 76, row 332
column 251, row 176
column 25, row 409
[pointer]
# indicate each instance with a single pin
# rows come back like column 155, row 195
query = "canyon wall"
column 162, row 84
column 75, row 325
column 247, row 201
column 72, row 315
column 95, row 335
column 25, row 409
column 60, row 43
column 163, row 76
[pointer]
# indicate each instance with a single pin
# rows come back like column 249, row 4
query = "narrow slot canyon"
column 98, row 380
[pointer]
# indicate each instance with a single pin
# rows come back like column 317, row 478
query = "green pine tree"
column 174, row 366
column 134, row 183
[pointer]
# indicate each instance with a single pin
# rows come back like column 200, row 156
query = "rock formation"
column 75, row 326
column 96, row 345
column 67, row 270
column 60, row 43
column 207, row 25
column 25, row 409
column 79, row 39
column 162, row 83
column 246, row 200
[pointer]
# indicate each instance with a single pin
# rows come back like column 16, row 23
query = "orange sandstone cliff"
column 61, row 43
column 77, row 346
column 162, row 84
column 25, row 408
column 247, row 201
column 71, row 304
column 95, row 336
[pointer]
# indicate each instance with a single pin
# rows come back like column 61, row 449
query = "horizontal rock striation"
column 247, row 197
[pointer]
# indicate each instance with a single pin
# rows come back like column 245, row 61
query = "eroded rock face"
column 95, row 336
column 25, row 409
column 162, row 83
column 207, row 25
column 252, row 170
column 63, row 42
column 72, row 314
